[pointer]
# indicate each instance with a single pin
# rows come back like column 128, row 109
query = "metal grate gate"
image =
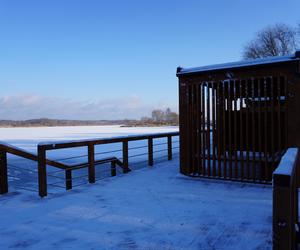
column 237, row 127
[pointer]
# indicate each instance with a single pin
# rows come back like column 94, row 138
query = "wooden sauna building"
column 237, row 119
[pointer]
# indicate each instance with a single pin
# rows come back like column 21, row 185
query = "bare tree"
column 277, row 40
column 164, row 117
column 158, row 115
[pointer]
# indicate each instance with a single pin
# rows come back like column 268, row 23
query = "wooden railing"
column 43, row 161
column 285, row 201
column 10, row 149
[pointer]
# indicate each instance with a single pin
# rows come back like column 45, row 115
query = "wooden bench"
column 114, row 161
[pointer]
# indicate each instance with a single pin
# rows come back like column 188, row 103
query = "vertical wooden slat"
column 285, row 112
column 198, row 127
column 225, row 98
column 241, row 129
column 91, row 159
column 150, row 151
column 214, row 128
column 247, row 128
column 182, row 127
column 229, row 111
column 266, row 129
column 42, row 172
column 191, row 131
column 208, row 129
column 68, row 177
column 219, row 127
column 169, row 147
column 272, row 124
column 259, row 118
column 200, row 130
column 194, row 130
column 235, row 147
column 253, row 129
column 3, row 172
column 279, row 113
column 203, row 130
column 188, row 130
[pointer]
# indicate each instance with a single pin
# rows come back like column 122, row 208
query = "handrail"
column 27, row 155
column 90, row 144
column 285, row 201
column 42, row 160
column 82, row 143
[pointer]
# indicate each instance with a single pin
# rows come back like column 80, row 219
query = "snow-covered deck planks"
column 153, row 208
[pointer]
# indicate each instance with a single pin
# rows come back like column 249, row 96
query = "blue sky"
column 89, row 59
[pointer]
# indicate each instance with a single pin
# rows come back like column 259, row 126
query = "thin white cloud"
column 24, row 107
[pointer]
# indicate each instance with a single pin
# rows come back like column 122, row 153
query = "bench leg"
column 68, row 174
column 113, row 168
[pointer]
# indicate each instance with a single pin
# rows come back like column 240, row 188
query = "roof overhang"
column 239, row 64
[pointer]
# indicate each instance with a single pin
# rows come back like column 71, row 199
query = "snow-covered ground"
column 150, row 208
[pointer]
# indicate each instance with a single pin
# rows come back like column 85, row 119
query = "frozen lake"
column 28, row 138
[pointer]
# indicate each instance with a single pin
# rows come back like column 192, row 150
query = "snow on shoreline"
column 28, row 138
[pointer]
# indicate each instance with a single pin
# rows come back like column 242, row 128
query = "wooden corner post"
column 42, row 172
column 3, row 172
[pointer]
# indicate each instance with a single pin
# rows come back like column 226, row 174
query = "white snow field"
column 150, row 208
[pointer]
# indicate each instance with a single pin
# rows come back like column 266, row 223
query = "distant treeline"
column 158, row 118
column 44, row 122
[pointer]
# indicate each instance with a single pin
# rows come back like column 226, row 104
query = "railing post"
column 150, row 151
column 68, row 175
column 125, row 157
column 91, row 157
column 113, row 168
column 42, row 172
column 169, row 147
column 281, row 222
column 3, row 172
